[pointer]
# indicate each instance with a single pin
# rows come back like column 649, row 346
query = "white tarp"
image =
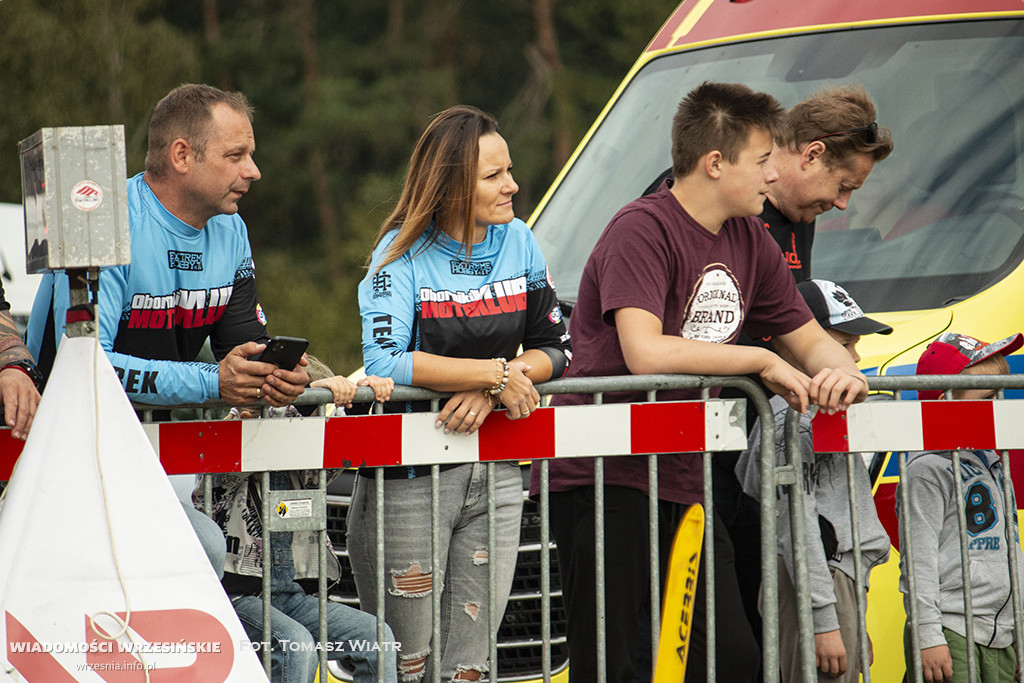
column 90, row 527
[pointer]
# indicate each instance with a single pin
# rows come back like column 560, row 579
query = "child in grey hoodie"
column 931, row 521
column 827, row 507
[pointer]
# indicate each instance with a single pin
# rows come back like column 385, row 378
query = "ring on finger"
column 472, row 414
column 258, row 392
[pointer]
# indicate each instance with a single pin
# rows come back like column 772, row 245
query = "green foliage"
column 341, row 90
column 77, row 63
column 311, row 306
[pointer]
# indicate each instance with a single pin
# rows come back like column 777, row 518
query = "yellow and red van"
column 934, row 241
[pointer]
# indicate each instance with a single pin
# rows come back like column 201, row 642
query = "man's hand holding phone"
column 278, row 376
column 284, row 352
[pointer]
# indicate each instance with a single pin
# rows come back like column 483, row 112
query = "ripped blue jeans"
column 463, row 561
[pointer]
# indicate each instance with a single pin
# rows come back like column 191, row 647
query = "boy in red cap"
column 932, row 523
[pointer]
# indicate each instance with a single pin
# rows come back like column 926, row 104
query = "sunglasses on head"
column 870, row 132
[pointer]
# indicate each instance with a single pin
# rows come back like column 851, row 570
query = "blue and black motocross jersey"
column 183, row 285
column 436, row 301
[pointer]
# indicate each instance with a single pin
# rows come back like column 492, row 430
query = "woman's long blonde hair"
column 441, row 182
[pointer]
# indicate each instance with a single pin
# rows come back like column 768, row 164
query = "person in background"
column 932, row 522
column 827, row 507
column 457, row 285
column 829, row 144
column 237, row 506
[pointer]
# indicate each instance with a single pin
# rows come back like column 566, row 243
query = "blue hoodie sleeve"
column 387, row 305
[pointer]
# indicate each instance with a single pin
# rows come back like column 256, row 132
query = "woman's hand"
column 519, row 395
column 465, row 412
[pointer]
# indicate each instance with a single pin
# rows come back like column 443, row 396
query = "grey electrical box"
column 74, row 191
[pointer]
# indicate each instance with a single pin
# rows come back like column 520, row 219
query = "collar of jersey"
column 167, row 219
column 490, row 246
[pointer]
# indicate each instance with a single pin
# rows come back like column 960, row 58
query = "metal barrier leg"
column 710, row 619
column 435, row 574
column 378, row 495
column 654, row 557
column 863, row 655
column 801, row 578
column 492, row 572
column 545, row 574
column 965, row 567
column 321, row 583
column 382, row 574
column 709, row 561
column 265, row 491
column 907, row 550
column 1012, row 544
column 602, row 645
column 769, row 542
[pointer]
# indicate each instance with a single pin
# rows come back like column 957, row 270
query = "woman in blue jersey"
column 457, row 299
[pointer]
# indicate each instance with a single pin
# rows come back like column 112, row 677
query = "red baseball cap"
column 951, row 353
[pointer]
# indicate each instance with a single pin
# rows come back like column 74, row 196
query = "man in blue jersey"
column 191, row 275
column 191, row 278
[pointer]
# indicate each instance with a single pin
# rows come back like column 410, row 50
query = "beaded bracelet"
column 502, row 381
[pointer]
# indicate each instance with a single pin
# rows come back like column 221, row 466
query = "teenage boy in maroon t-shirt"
column 667, row 288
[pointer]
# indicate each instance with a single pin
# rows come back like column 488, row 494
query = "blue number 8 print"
column 981, row 514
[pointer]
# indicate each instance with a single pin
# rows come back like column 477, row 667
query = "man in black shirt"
column 831, row 144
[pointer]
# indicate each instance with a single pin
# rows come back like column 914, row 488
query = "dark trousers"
column 741, row 515
column 627, row 589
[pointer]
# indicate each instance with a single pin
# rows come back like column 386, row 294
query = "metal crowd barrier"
column 318, row 443
column 495, row 442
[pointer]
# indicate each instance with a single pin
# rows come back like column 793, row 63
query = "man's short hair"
column 719, row 116
column 842, row 118
column 186, row 113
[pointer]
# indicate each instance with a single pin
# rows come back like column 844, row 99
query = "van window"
column 938, row 221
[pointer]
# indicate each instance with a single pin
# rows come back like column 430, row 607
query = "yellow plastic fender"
column 678, row 601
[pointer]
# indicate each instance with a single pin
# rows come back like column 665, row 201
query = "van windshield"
column 938, row 221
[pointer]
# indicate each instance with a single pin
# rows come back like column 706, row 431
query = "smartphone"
column 284, row 352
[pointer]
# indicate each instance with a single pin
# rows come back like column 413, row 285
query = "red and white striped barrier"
column 921, row 426
column 411, row 439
